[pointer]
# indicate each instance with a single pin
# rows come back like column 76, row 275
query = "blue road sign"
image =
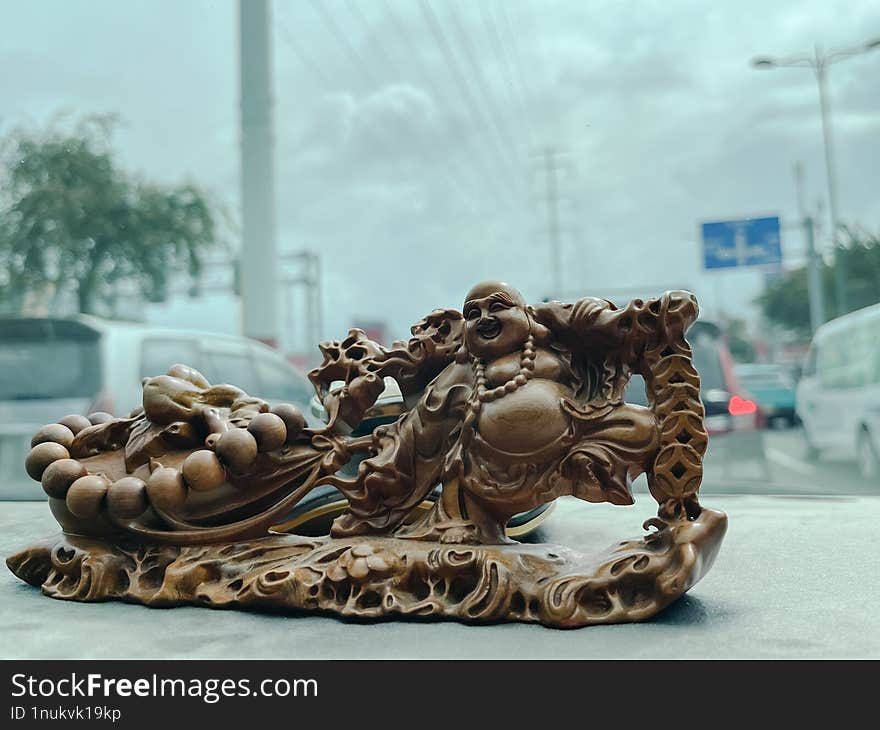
column 749, row 242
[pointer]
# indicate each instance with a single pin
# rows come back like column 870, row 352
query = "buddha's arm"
column 588, row 320
column 363, row 365
column 647, row 337
column 407, row 460
column 598, row 325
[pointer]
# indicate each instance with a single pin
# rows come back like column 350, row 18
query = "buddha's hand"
column 587, row 317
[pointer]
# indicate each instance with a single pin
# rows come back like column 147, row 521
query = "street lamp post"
column 820, row 62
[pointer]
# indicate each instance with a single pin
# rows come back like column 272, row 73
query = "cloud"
column 405, row 151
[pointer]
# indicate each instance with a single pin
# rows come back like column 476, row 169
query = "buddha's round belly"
column 526, row 420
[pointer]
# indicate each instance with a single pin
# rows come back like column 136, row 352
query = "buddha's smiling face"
column 496, row 322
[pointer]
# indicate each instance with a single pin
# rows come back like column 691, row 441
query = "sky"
column 409, row 134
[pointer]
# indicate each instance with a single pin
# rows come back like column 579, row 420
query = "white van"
column 838, row 396
column 51, row 367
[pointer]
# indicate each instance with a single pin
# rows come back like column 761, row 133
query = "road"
column 774, row 462
column 783, row 470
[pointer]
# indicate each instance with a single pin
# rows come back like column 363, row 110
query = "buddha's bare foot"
column 459, row 535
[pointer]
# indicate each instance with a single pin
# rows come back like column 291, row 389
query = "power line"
column 541, row 53
column 517, row 100
column 440, row 38
column 495, row 181
column 390, row 64
column 372, row 80
column 308, row 63
column 342, row 40
column 488, row 96
column 517, row 62
column 479, row 152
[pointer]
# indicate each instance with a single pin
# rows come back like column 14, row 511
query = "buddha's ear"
column 538, row 331
column 461, row 354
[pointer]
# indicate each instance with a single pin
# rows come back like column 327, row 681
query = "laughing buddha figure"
column 529, row 409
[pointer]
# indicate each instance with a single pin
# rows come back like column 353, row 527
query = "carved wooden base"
column 371, row 577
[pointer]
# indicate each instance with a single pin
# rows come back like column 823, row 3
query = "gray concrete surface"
column 777, row 464
column 796, row 577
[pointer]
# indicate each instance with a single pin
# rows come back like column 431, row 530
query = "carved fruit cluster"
column 87, row 495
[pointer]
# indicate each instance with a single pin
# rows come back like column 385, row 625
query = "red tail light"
column 739, row 406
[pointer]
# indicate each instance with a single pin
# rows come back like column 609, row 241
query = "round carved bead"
column 166, row 490
column 127, row 498
column 237, row 448
column 202, row 471
column 53, row 432
column 99, row 417
column 75, row 423
column 510, row 386
column 41, row 456
column 269, row 431
column 86, row 496
column 59, row 475
column 528, row 365
column 521, row 379
column 294, row 420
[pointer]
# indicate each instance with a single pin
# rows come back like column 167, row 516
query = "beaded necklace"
column 482, row 394
column 526, row 370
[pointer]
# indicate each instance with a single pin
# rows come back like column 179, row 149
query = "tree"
column 786, row 302
column 738, row 341
column 70, row 217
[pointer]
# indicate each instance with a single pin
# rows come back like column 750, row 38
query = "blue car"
column 771, row 387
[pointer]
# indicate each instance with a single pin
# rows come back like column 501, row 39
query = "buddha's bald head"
column 496, row 320
column 487, row 288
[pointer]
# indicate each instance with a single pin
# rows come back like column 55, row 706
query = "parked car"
column 772, row 388
column 52, row 367
column 838, row 396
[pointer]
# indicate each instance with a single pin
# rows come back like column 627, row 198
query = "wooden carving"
column 508, row 406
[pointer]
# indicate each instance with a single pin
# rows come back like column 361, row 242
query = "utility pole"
column 814, row 277
column 259, row 266
column 821, row 68
column 815, row 289
column 551, row 162
column 309, row 278
column 819, row 63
